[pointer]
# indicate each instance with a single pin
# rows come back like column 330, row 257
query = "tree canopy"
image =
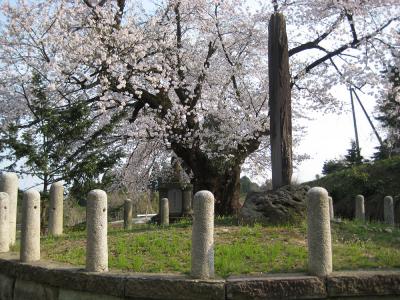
column 191, row 75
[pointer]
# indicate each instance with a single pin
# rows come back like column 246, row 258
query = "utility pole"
column 354, row 122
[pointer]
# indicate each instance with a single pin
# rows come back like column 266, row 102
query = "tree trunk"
column 222, row 179
column 279, row 102
column 225, row 187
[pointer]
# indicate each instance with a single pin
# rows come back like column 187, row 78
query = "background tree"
column 333, row 165
column 389, row 117
column 353, row 156
column 192, row 74
column 45, row 142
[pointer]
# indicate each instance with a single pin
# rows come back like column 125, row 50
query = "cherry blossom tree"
column 192, row 74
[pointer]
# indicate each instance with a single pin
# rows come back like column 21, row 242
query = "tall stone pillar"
column 331, row 210
column 9, row 185
column 4, row 222
column 96, row 220
column 388, row 210
column 319, row 232
column 187, row 195
column 203, row 236
column 128, row 214
column 360, row 208
column 30, row 227
column 280, row 109
column 56, row 210
column 164, row 212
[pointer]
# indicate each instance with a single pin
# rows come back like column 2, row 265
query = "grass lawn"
column 238, row 249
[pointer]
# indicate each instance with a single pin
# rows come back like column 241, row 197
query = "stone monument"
column 177, row 188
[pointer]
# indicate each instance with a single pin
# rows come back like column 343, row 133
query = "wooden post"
column 279, row 102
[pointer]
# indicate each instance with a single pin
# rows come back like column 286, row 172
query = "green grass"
column 238, row 249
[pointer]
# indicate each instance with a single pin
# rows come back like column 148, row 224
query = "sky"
column 329, row 136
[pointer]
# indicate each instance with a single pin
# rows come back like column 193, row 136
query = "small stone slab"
column 359, row 283
column 170, row 287
column 278, row 286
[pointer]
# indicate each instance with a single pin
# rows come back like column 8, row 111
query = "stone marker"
column 30, row 227
column 4, row 222
column 203, row 236
column 360, row 209
column 164, row 212
column 128, row 214
column 96, row 220
column 331, row 211
column 9, row 185
column 319, row 232
column 56, row 209
column 187, row 202
column 388, row 210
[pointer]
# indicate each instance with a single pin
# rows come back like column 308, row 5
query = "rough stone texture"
column 30, row 227
column 48, row 277
column 371, row 283
column 164, row 212
column 76, row 295
column 6, row 287
column 288, row 286
column 285, row 205
column 56, row 209
column 9, row 185
column 61, row 275
column 28, row 290
column 360, row 208
column 388, row 210
column 128, row 214
column 319, row 232
column 4, row 222
column 173, row 288
column 331, row 211
column 96, row 220
column 202, row 253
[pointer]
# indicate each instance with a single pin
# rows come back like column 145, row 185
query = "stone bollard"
column 4, row 222
column 96, row 222
column 128, row 214
column 331, row 211
column 319, row 232
column 56, row 209
column 360, row 209
column 9, row 185
column 203, row 236
column 30, row 227
column 388, row 210
column 164, row 212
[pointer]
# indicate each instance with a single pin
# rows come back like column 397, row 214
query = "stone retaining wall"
column 53, row 281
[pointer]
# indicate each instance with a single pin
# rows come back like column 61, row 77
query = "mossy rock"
column 286, row 205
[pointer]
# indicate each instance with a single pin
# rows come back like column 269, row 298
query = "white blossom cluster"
column 193, row 73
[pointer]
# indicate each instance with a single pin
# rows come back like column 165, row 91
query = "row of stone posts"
column 388, row 209
column 319, row 214
column 30, row 216
column 202, row 252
